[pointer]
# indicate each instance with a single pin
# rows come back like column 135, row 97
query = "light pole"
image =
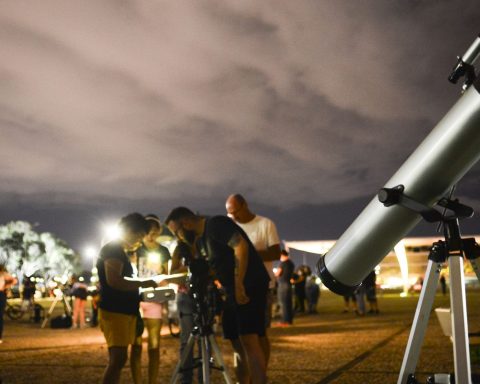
column 91, row 253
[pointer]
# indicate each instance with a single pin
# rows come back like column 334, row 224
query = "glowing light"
column 90, row 252
column 111, row 232
column 402, row 261
column 153, row 257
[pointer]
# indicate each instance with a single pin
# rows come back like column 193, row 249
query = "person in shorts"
column 151, row 260
column 119, row 294
column 240, row 270
column 263, row 234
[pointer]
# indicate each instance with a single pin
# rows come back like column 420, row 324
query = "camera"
column 204, row 293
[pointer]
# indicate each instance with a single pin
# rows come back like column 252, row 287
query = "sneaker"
column 283, row 325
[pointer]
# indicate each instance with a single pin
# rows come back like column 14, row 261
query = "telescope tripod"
column 66, row 306
column 210, row 356
column 452, row 250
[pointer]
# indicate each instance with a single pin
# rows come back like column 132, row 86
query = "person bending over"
column 240, row 270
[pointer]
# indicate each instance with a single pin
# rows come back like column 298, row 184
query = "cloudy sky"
column 305, row 107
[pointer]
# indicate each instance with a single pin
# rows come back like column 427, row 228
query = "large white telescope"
column 439, row 162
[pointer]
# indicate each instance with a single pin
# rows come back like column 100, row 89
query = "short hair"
column 134, row 222
column 284, row 252
column 178, row 214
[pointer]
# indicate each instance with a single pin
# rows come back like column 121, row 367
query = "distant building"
column 400, row 269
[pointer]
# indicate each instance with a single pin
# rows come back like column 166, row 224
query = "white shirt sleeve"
column 272, row 234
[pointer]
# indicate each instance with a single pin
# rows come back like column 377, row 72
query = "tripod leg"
column 183, row 358
column 420, row 321
column 458, row 303
column 49, row 313
column 68, row 308
column 217, row 354
column 205, row 355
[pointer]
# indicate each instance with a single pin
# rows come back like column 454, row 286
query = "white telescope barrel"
column 440, row 161
column 472, row 53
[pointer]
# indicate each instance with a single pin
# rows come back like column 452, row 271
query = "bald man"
column 262, row 232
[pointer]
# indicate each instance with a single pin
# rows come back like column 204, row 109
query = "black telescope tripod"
column 210, row 356
column 452, row 250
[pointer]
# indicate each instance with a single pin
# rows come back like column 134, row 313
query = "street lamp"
column 111, row 232
column 91, row 253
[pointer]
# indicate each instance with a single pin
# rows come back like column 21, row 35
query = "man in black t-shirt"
column 240, row 270
column 284, row 275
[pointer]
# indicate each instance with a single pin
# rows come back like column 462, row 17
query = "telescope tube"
column 438, row 163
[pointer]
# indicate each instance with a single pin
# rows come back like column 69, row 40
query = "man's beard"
column 189, row 237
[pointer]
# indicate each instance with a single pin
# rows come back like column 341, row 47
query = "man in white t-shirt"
column 262, row 232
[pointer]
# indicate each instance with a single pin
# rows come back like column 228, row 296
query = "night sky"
column 305, row 107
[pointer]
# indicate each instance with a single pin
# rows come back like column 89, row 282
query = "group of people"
column 294, row 288
column 356, row 300
column 240, row 248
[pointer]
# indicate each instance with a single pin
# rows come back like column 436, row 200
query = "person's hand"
column 162, row 283
column 240, row 294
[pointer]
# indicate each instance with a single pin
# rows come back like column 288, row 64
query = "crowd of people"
column 241, row 248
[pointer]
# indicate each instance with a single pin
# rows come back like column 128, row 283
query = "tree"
column 27, row 252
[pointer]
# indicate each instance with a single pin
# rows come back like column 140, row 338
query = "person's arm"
column 240, row 249
column 113, row 273
column 177, row 266
column 272, row 253
column 278, row 272
column 181, row 252
column 9, row 280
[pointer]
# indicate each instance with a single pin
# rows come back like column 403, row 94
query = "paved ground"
column 330, row 347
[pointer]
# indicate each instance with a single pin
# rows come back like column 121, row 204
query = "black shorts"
column 245, row 319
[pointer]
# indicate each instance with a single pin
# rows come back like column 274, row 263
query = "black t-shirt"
column 112, row 299
column 219, row 231
column 287, row 267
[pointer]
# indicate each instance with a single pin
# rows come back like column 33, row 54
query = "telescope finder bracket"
column 396, row 196
column 465, row 66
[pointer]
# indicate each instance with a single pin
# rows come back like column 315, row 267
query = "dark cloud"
column 299, row 105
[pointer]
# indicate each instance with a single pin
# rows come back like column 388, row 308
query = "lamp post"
column 91, row 253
